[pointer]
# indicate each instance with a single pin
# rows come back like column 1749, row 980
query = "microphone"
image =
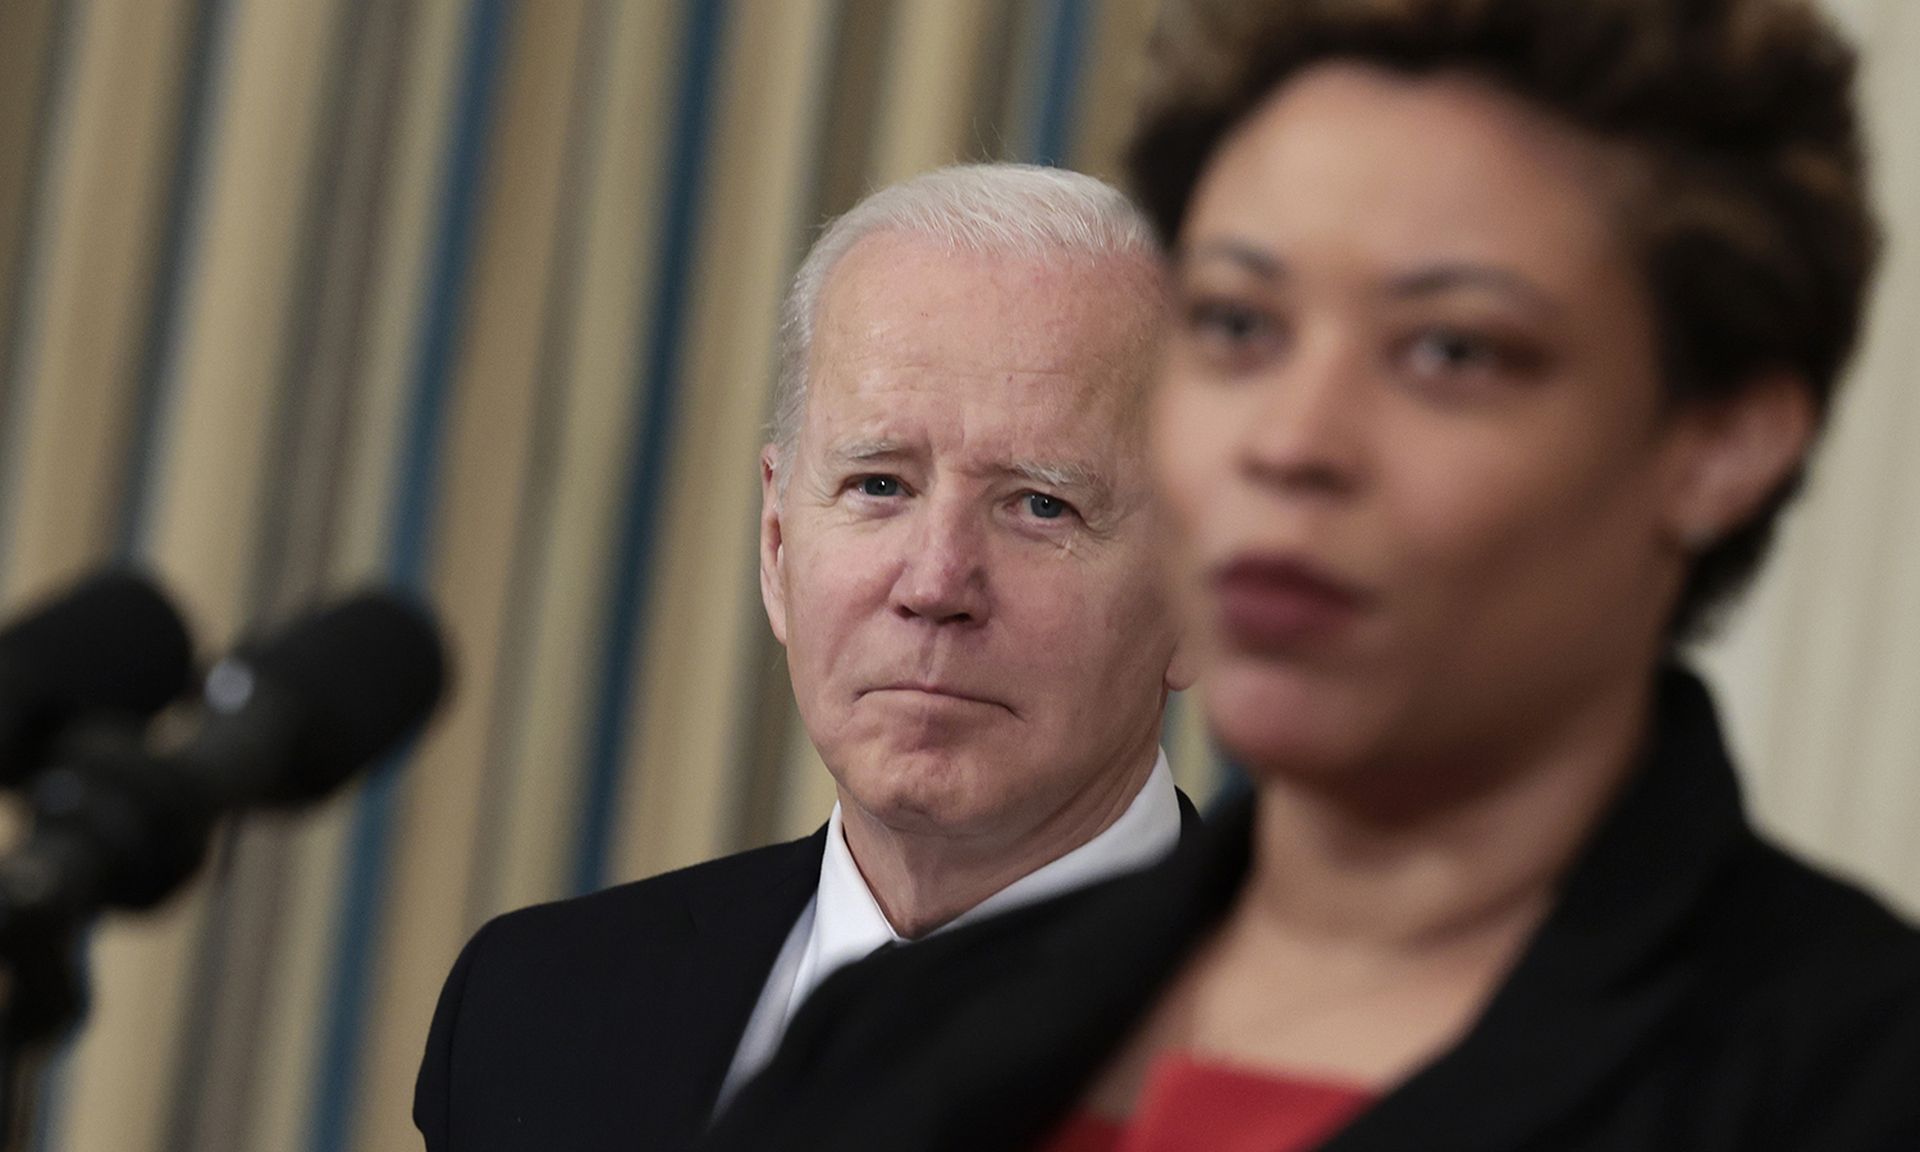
column 284, row 720
column 112, row 643
column 289, row 718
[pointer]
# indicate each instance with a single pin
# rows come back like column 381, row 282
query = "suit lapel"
column 1040, row 1019
column 686, row 1027
column 1190, row 821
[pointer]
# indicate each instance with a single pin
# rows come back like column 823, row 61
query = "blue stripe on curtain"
column 178, row 236
column 409, row 554
column 1059, row 87
column 529, row 567
column 634, row 557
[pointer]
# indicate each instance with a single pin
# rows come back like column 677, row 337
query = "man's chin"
column 924, row 795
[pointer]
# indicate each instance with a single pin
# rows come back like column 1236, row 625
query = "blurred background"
column 478, row 297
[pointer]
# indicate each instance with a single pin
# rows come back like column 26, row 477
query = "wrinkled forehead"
column 1053, row 345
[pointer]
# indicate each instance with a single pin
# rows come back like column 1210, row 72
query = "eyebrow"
column 1073, row 477
column 868, row 451
column 1262, row 264
column 1443, row 278
column 1421, row 282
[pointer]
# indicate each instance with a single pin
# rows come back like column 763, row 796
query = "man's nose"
column 944, row 577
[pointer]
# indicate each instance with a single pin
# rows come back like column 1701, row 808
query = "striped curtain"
column 478, row 297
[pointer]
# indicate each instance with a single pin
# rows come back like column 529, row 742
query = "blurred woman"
column 1502, row 331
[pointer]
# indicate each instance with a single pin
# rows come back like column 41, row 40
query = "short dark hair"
column 1754, row 228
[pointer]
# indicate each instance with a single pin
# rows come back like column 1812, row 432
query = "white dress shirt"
column 844, row 923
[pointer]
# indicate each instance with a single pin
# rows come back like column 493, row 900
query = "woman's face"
column 1411, row 430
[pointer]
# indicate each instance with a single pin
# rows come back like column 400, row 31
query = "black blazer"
column 1693, row 988
column 609, row 1021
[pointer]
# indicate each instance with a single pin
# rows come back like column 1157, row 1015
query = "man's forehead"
column 1050, row 430
column 1068, row 314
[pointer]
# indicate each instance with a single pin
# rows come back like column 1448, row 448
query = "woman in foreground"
column 1502, row 331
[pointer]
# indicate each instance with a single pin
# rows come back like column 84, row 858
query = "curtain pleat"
column 32, row 43
column 85, row 307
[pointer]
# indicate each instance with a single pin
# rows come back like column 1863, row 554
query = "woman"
column 1502, row 331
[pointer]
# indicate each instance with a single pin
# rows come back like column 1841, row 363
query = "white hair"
column 1022, row 210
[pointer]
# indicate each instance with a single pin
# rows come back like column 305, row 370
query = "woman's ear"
column 1732, row 455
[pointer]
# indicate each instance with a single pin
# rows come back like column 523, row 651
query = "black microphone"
column 291, row 717
column 285, row 720
column 111, row 644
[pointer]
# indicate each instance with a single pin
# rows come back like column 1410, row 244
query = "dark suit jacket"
column 1694, row 988
column 609, row 1021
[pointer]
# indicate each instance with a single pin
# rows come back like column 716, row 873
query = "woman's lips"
column 1267, row 603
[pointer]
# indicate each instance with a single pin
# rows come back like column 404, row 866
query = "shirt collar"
column 1144, row 833
column 848, row 923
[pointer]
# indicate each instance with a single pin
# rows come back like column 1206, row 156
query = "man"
column 957, row 553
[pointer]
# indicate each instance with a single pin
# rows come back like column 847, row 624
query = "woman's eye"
column 1045, row 507
column 1445, row 351
column 881, row 486
column 1229, row 336
column 1455, row 352
column 1227, row 323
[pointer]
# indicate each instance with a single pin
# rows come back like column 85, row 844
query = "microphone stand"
column 88, row 803
column 43, row 994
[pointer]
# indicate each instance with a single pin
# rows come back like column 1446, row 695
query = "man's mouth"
column 933, row 690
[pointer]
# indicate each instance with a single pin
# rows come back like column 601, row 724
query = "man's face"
column 960, row 561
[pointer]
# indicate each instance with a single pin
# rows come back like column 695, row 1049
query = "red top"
column 1189, row 1104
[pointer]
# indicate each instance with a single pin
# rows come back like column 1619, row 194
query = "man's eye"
column 1046, row 507
column 879, row 486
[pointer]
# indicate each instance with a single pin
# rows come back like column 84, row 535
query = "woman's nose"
column 1308, row 432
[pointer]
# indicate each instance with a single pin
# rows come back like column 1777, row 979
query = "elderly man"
column 957, row 553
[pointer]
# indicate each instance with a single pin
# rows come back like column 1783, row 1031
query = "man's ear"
column 773, row 587
column 1732, row 455
column 1183, row 667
